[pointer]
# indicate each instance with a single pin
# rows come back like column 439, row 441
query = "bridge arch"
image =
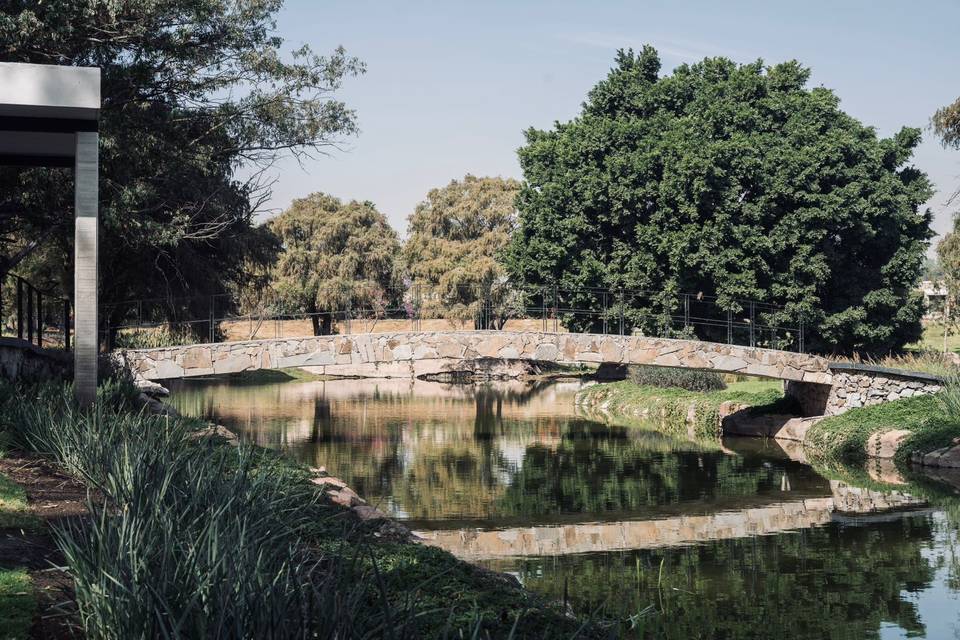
column 416, row 353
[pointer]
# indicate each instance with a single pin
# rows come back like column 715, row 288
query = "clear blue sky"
column 451, row 86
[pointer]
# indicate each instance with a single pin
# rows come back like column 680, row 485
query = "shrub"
column 663, row 377
column 154, row 338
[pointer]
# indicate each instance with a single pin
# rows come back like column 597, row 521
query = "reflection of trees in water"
column 827, row 582
column 597, row 470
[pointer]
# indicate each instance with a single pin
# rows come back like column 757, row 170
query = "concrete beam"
column 86, row 197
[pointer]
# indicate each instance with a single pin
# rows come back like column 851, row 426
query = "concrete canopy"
column 49, row 118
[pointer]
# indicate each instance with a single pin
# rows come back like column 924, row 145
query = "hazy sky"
column 451, row 86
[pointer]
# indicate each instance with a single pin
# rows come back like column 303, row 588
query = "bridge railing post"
column 19, row 308
column 213, row 302
column 800, row 337
column 348, row 314
column 729, row 326
column 39, row 318
column 753, row 316
column 604, row 311
column 621, row 310
column 543, row 307
column 556, row 309
column 417, row 307
column 29, row 313
column 686, row 312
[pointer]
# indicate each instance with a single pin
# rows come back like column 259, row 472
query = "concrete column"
column 86, row 339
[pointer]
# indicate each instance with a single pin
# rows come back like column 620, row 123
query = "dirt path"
column 53, row 497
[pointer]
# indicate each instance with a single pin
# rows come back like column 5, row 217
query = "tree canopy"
column 455, row 240
column 335, row 256
column 198, row 101
column 729, row 180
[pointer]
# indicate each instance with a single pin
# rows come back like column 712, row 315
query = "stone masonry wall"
column 820, row 387
column 19, row 360
column 414, row 353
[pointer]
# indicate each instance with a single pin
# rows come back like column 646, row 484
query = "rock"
column 366, row 513
column 329, row 481
column 884, row 445
column 345, row 497
column 214, row 431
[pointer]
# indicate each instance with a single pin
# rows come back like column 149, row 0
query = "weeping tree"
column 200, row 99
column 335, row 257
column 453, row 251
column 730, row 181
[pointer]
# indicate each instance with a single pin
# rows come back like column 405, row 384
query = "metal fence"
column 225, row 317
column 33, row 314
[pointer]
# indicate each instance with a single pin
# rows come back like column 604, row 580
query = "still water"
column 733, row 540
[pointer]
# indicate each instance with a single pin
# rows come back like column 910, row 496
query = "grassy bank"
column 843, row 438
column 676, row 410
column 190, row 537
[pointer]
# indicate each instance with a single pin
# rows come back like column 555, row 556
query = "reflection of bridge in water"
column 845, row 501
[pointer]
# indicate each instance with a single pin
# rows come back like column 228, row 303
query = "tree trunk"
column 315, row 319
column 327, row 324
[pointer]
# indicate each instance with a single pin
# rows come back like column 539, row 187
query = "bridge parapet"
column 820, row 386
column 415, row 353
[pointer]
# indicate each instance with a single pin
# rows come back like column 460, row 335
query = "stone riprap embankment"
column 813, row 380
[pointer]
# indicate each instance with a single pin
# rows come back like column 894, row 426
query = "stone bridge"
column 820, row 386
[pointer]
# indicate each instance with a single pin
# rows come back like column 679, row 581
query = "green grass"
column 668, row 407
column 18, row 603
column 268, row 376
column 843, row 438
column 14, row 512
column 932, row 339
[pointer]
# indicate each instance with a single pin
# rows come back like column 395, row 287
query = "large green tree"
column 199, row 100
column 455, row 240
column 336, row 257
column 729, row 180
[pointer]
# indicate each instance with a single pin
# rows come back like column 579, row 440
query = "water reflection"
column 454, row 456
column 738, row 540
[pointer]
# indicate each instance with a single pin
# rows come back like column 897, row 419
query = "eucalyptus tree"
column 946, row 125
column 335, row 256
column 735, row 181
column 200, row 99
column 455, row 240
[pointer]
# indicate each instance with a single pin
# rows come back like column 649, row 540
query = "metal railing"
column 30, row 313
column 225, row 317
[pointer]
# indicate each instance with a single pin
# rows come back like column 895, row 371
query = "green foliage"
column 946, row 124
column 948, row 255
column 730, row 180
column 336, row 256
column 454, row 245
column 192, row 91
column 843, row 438
column 670, row 408
column 18, row 602
column 154, row 338
column 689, row 379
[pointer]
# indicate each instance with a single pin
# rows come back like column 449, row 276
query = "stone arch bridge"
column 821, row 386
